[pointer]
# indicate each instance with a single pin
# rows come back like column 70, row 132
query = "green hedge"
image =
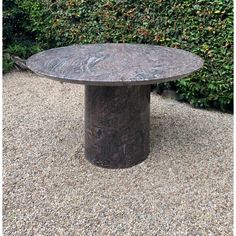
column 200, row 26
column 18, row 37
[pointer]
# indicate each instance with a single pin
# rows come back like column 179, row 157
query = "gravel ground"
column 183, row 188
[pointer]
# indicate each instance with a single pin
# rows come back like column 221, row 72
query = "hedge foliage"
column 200, row 26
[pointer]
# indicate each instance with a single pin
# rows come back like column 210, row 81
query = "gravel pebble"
column 185, row 187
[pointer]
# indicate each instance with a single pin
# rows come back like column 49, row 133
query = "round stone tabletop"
column 114, row 64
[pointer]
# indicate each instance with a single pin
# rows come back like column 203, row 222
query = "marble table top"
column 113, row 64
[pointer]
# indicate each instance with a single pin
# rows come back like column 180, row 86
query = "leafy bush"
column 12, row 22
column 17, row 40
column 202, row 27
column 7, row 63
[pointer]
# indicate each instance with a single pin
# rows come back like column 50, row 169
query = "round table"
column 117, row 80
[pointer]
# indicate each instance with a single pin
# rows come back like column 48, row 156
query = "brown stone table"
column 117, row 80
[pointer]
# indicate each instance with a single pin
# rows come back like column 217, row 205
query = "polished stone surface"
column 114, row 64
column 117, row 125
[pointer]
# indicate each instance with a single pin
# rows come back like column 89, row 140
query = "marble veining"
column 114, row 64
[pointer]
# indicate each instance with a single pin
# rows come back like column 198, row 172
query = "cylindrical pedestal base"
column 117, row 125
